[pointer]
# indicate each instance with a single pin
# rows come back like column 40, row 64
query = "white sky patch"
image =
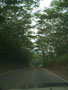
column 44, row 3
column 35, row 31
column 33, row 22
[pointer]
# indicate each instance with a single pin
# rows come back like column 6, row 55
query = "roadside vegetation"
column 50, row 46
column 52, row 36
column 15, row 33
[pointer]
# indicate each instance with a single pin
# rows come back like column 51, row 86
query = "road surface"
column 29, row 78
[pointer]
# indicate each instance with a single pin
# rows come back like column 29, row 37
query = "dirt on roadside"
column 60, row 71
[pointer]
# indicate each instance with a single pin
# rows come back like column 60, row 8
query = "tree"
column 53, row 30
column 15, row 25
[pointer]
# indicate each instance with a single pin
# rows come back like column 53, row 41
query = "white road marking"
column 56, row 75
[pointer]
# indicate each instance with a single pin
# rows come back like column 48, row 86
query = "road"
column 29, row 78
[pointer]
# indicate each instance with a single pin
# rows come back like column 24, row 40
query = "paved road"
column 29, row 78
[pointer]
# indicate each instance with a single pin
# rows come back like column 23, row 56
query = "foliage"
column 15, row 25
column 51, row 41
column 52, row 27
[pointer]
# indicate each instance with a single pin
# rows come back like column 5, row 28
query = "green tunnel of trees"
column 50, row 45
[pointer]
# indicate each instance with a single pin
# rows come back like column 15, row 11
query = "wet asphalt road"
column 29, row 78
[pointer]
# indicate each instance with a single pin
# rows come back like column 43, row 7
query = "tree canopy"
column 50, row 45
column 15, row 30
column 52, row 27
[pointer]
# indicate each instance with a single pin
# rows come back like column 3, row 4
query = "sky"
column 44, row 3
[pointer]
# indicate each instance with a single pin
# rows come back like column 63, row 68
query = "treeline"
column 15, row 31
column 52, row 42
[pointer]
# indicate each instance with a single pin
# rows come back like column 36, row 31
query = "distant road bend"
column 29, row 78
